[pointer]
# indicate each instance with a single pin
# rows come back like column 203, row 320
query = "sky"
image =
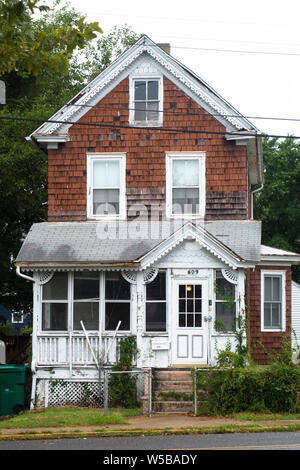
column 249, row 52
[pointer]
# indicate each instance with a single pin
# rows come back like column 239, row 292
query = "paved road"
column 183, row 443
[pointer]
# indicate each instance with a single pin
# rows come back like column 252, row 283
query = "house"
column 151, row 177
column 16, row 321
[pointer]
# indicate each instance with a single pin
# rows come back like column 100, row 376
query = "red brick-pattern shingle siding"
column 265, row 344
column 226, row 163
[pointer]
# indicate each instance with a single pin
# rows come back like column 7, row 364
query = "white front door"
column 189, row 315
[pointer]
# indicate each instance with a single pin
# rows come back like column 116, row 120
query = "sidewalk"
column 157, row 424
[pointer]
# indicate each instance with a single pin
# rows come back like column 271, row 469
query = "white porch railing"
column 64, row 349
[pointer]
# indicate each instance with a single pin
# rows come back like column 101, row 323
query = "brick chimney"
column 165, row 46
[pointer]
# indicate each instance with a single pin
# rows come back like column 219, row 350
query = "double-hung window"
column 185, row 181
column 225, row 304
column 273, row 300
column 146, row 101
column 156, row 304
column 106, row 185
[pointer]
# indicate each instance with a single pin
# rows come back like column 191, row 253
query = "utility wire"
column 176, row 113
column 163, row 129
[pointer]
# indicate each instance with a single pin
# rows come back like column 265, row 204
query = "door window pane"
column 190, row 306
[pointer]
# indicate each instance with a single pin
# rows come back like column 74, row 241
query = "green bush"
column 274, row 388
column 122, row 387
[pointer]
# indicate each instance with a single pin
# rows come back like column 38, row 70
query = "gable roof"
column 237, row 126
column 109, row 244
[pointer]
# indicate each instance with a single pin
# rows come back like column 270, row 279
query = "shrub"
column 273, row 388
column 122, row 387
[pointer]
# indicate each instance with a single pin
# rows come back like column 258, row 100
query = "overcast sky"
column 262, row 81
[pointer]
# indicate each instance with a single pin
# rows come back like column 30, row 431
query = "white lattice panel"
column 63, row 393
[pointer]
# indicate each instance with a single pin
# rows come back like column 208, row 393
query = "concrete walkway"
column 160, row 424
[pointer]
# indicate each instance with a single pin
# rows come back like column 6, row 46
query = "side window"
column 185, row 182
column 225, row 304
column 55, row 303
column 273, row 305
column 106, row 186
column 146, row 101
column 156, row 304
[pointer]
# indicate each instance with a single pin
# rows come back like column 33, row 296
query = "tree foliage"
column 278, row 204
column 52, row 59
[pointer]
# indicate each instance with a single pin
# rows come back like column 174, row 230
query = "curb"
column 34, row 435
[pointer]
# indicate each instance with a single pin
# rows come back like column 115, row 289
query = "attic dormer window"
column 146, row 101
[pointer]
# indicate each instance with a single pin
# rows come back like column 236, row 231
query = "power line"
column 237, row 51
column 158, row 129
column 176, row 113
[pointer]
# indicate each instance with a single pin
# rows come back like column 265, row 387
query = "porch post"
column 140, row 303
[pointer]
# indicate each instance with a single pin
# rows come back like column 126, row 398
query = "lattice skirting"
column 63, row 392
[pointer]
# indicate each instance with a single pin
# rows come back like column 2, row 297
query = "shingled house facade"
column 150, row 178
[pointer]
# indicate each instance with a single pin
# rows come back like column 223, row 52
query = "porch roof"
column 123, row 243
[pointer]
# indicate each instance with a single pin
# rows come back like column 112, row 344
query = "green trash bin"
column 12, row 388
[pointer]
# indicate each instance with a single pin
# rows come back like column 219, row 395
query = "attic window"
column 146, row 101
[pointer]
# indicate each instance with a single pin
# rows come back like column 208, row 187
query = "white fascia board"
column 279, row 260
column 119, row 69
column 188, row 232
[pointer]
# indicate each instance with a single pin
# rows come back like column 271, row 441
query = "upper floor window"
column 185, row 180
column 106, row 185
column 146, row 101
column 273, row 300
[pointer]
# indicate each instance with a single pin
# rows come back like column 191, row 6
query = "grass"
column 66, row 417
column 266, row 416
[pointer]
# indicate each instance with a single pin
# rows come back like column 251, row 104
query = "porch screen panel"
column 156, row 304
column 86, row 300
column 55, row 303
column 117, row 302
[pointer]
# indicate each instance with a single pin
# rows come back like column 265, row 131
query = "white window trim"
column 201, row 156
column 21, row 318
column 121, row 157
column 132, row 121
column 282, row 274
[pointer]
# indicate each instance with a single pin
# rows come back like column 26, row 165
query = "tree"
column 278, row 204
column 36, row 90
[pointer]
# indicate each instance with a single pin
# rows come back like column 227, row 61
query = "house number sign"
column 193, row 272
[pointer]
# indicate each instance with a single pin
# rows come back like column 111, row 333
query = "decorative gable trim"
column 117, row 71
column 190, row 231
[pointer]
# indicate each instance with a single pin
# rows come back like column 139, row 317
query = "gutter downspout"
column 252, row 199
column 33, row 368
column 260, row 170
column 23, row 275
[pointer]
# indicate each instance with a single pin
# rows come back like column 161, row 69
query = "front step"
column 172, row 406
column 172, row 391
